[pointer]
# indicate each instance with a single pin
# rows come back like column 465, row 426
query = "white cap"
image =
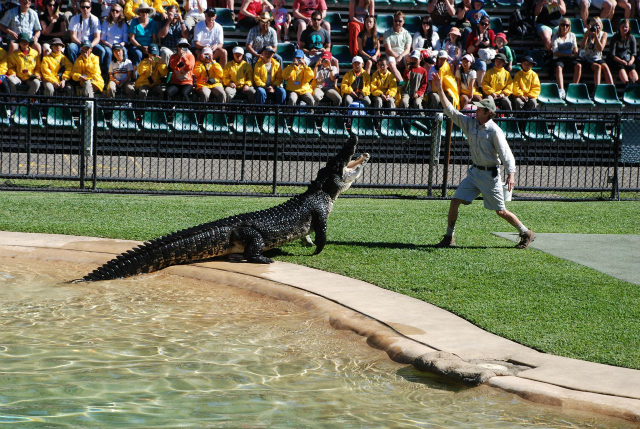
column 469, row 58
column 207, row 50
column 357, row 59
column 183, row 41
column 238, row 50
column 443, row 54
column 416, row 54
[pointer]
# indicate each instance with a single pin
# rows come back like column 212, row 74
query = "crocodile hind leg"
column 253, row 245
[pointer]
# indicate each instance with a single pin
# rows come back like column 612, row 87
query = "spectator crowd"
column 131, row 49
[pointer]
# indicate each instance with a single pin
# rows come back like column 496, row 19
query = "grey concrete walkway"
column 614, row 254
column 408, row 329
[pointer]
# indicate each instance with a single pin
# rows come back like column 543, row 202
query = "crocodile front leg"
column 320, row 228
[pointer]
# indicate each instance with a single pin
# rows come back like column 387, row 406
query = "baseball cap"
column 267, row 49
column 85, row 44
column 469, row 58
column 299, row 53
column 207, row 50
column 443, row 54
column 238, row 50
column 326, row 55
column 153, row 49
column 486, row 103
column 211, row 11
column 415, row 54
column 529, row 60
column 357, row 59
column 117, row 46
column 24, row 37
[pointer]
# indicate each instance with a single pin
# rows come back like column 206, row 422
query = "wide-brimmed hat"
column 25, row 37
column 501, row 56
column 503, row 36
column 56, row 41
column 143, row 6
column 265, row 16
column 183, row 42
column 486, row 103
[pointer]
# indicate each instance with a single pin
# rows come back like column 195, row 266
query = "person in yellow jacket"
column 496, row 83
column 130, row 7
column 23, row 65
column 268, row 84
column 298, row 76
column 56, row 70
column 384, row 86
column 152, row 72
column 526, row 87
column 356, row 84
column 238, row 77
column 4, row 83
column 161, row 6
column 208, row 74
column 86, row 71
column 449, row 83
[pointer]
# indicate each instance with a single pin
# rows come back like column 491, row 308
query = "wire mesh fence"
column 121, row 145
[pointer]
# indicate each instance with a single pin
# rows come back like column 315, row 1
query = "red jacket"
column 473, row 38
column 182, row 75
column 416, row 77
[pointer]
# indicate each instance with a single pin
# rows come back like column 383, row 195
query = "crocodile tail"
column 193, row 244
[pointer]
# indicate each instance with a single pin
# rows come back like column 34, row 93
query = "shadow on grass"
column 407, row 246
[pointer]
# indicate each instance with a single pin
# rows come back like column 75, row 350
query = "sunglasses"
column 317, row 19
column 85, row 7
column 398, row 21
column 565, row 25
column 484, row 24
column 426, row 23
column 52, row 5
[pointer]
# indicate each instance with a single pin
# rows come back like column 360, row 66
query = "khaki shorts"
column 480, row 182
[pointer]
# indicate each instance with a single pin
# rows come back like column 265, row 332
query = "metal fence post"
column 274, row 186
column 447, row 157
column 434, row 152
column 615, row 190
column 87, row 139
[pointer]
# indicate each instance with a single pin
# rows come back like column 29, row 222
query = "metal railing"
column 121, row 145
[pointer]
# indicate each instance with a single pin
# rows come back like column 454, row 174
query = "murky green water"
column 163, row 351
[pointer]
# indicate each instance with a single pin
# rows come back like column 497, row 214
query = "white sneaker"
column 562, row 93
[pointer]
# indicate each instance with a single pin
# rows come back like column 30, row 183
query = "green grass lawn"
column 531, row 297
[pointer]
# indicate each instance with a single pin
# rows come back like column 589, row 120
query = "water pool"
column 166, row 351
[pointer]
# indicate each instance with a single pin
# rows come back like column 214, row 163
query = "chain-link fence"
column 117, row 145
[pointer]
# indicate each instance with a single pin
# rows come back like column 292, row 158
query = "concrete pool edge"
column 405, row 328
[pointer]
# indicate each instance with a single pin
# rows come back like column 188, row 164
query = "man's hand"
column 436, row 82
column 232, row 84
column 270, row 89
column 510, row 181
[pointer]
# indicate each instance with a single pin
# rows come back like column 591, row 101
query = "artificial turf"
column 536, row 299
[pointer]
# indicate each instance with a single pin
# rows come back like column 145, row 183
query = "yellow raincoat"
column 350, row 77
column 260, row 73
column 239, row 73
column 51, row 65
column 449, row 84
column 90, row 67
column 129, row 7
column 3, row 62
column 23, row 65
column 298, row 79
column 526, row 83
column 160, row 5
column 157, row 72
column 496, row 81
column 203, row 75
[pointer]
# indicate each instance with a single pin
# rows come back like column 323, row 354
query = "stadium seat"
column 342, row 54
column 403, row 4
column 248, row 123
column 577, row 27
column 225, row 19
column 384, row 22
column 304, row 125
column 382, row 2
column 566, row 131
column 335, row 21
column 269, row 126
column 333, row 126
column 595, row 132
column 578, row 95
column 538, row 57
column 509, row 3
column 496, row 24
column 537, row 131
column 286, row 51
column 4, row 116
column 550, row 95
column 364, row 128
column 511, row 130
column 606, row 95
column 392, row 128
column 25, row 115
column 215, row 123
column 186, row 122
column 412, row 23
column 632, row 95
column 420, row 128
column 607, row 27
column 101, row 123
column 155, row 121
column 60, row 117
column 124, row 120
column 634, row 27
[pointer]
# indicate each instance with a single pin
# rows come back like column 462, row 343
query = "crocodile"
column 249, row 234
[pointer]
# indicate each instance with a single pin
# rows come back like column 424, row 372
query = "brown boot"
column 447, row 241
column 526, row 239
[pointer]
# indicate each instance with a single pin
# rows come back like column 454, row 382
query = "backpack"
column 521, row 25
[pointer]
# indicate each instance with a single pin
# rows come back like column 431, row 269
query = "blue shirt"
column 21, row 22
column 143, row 35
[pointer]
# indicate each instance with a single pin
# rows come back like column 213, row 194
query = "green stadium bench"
column 392, row 128
column 384, row 22
column 286, row 51
column 577, row 27
column 155, row 121
column 248, row 123
column 595, row 132
column 511, row 130
column 566, row 131
column 269, row 126
column 607, row 27
column 333, row 126
column 412, row 23
column 382, row 2
column 403, row 5
column 606, row 96
column 364, row 128
column 215, row 123
column 496, row 24
column 508, row 3
column 420, row 128
column 538, row 57
column 4, row 116
column 101, row 122
column 60, row 117
column 225, row 19
column 634, row 28
column 537, row 131
column 124, row 120
column 304, row 125
column 631, row 95
column 186, row 122
column 550, row 95
column 25, row 115
column 335, row 21
column 578, row 95
column 342, row 54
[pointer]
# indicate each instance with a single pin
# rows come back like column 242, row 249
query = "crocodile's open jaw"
column 354, row 168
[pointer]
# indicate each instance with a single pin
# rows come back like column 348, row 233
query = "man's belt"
column 493, row 170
